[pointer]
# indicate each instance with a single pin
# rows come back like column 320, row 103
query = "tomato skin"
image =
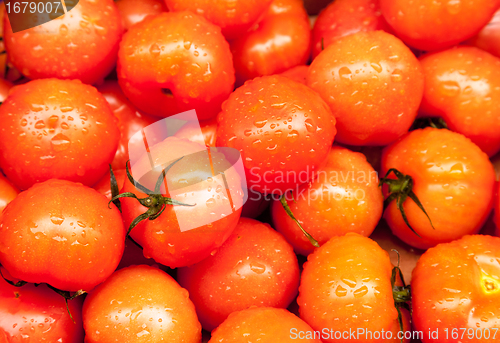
column 134, row 11
column 348, row 74
column 234, row 17
column 450, row 289
column 130, row 121
column 8, row 192
column 345, row 17
column 37, row 314
column 61, row 233
column 252, row 121
column 280, row 41
column 462, row 85
column 191, row 131
column 56, row 129
column 254, row 267
column 430, row 25
column 322, row 213
column 346, row 283
column 104, row 186
column 140, row 304
column 5, row 87
column 162, row 238
column 453, row 179
column 83, row 44
column 174, row 51
column 488, row 39
column 262, row 324
column 298, row 73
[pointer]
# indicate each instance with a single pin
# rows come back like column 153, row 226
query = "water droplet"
column 340, row 291
column 40, row 124
column 24, row 122
column 449, row 88
column 257, row 268
column 345, row 73
column 377, row 67
column 260, row 123
column 397, row 75
column 211, row 202
column 187, row 45
column 247, row 133
column 60, row 142
column 64, row 126
column 293, row 136
column 155, row 50
column 310, row 125
column 360, row 292
column 57, row 220
column 453, row 6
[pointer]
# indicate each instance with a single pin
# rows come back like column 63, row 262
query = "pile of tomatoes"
column 374, row 108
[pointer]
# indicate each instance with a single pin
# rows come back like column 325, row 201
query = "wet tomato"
column 104, row 186
column 343, row 197
column 61, row 233
column 191, row 131
column 134, row 11
column 254, row 267
column 7, row 192
column 264, row 119
column 345, row 17
column 82, row 44
column 453, row 179
column 488, row 38
column 38, row 314
column 234, row 17
column 373, row 84
column 280, row 41
column 432, row 25
column 174, row 62
column 456, row 291
column 5, row 87
column 462, row 86
column 346, row 284
column 265, row 325
column 298, row 73
column 56, row 129
column 140, row 304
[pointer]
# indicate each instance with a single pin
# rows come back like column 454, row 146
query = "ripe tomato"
column 346, row 284
column 462, row 85
column 254, row 267
column 174, row 62
column 140, row 304
column 235, row 17
column 298, row 73
column 488, row 38
column 61, row 233
column 343, row 197
column 7, row 192
column 5, row 87
column 282, row 40
column 133, row 256
column 267, row 116
column 104, row 187
column 263, row 325
column 130, row 121
column 432, row 25
column 134, row 11
column 456, row 291
column 37, row 314
column 373, row 84
column 345, row 17
column 450, row 174
column 191, row 131
column 56, row 129
column 184, row 235
column 82, row 44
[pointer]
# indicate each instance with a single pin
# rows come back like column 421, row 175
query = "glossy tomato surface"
column 56, row 129
column 140, row 304
column 254, row 267
column 134, row 11
column 61, row 233
column 7, row 192
column 82, row 44
column 453, row 179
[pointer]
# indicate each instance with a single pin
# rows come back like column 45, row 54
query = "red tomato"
column 82, row 44
column 346, row 284
column 450, row 174
column 456, row 291
column 37, row 314
column 263, row 325
column 343, row 197
column 133, row 256
column 235, row 17
column 56, row 129
column 462, row 85
column 282, row 40
column 140, row 304
column 432, row 25
column 254, row 267
column 7, row 192
column 5, row 87
column 345, row 17
column 130, row 121
column 212, row 218
column 488, row 38
column 61, row 233
column 134, row 11
column 373, row 84
column 174, row 62
column 298, row 73
column 267, row 116
column 208, row 134
column 104, row 186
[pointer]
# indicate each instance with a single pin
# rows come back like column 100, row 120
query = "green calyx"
column 290, row 214
column 400, row 189
column 400, row 294
column 155, row 202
